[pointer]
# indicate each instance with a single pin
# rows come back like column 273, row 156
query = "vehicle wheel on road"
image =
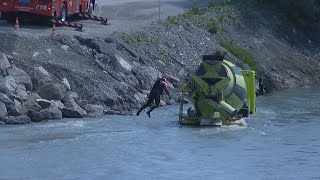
column 64, row 13
column 9, row 17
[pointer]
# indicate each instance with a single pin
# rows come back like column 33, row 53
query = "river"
column 281, row 141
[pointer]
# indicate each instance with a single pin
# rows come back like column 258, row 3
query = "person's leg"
column 150, row 99
column 157, row 98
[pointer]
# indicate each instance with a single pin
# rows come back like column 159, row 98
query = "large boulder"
column 140, row 98
column 146, row 75
column 4, row 99
column 17, row 120
column 94, row 110
column 3, row 110
column 16, row 109
column 120, row 64
column 31, row 103
column 41, row 76
column 174, row 81
column 52, row 91
column 35, row 116
column 43, row 103
column 112, row 112
column 66, row 84
column 4, row 63
column 58, row 104
column 70, row 103
column 21, row 77
column 21, row 92
column 82, row 103
column 52, row 112
column 70, row 113
column 8, row 85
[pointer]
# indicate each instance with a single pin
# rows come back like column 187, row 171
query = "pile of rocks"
column 22, row 101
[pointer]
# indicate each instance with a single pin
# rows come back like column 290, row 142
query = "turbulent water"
column 281, row 141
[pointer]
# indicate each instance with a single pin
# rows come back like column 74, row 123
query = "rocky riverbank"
column 75, row 76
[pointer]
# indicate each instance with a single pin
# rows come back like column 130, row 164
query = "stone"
column 58, row 104
column 14, row 112
column 16, row 109
column 2, row 121
column 43, row 71
column 35, row 83
column 162, row 103
column 131, row 80
column 174, row 81
column 65, row 48
column 52, row 91
column 171, row 102
column 21, row 92
column 82, row 103
column 21, row 77
column 33, row 96
column 43, row 103
column 66, row 84
column 8, row 85
column 94, row 110
column 52, row 112
column 70, row 113
column 3, row 110
column 31, row 103
column 73, row 95
column 35, row 116
column 120, row 64
column 70, row 103
column 147, row 75
column 141, row 98
column 4, row 99
column 17, row 120
column 4, row 63
column 112, row 112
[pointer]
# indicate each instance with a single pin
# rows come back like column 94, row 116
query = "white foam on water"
column 225, row 128
column 69, row 124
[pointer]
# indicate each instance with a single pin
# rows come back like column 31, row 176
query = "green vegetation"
column 304, row 14
column 213, row 26
column 161, row 54
column 172, row 20
column 240, row 53
column 138, row 38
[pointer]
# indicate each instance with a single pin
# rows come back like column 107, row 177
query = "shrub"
column 213, row 26
column 240, row 53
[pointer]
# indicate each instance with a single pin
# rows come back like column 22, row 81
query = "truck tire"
column 64, row 13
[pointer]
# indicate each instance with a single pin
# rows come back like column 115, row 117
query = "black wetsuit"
column 155, row 93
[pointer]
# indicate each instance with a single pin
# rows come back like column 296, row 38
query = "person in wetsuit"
column 155, row 94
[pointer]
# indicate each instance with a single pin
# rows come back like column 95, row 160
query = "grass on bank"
column 240, row 53
column 213, row 26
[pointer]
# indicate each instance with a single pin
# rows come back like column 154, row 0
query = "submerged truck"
column 55, row 9
column 221, row 93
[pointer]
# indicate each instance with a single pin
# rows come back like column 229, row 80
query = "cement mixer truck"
column 221, row 93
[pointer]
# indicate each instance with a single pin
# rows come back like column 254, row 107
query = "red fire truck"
column 57, row 9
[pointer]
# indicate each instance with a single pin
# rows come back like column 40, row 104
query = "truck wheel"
column 64, row 13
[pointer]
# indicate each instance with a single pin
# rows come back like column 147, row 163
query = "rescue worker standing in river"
column 155, row 94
